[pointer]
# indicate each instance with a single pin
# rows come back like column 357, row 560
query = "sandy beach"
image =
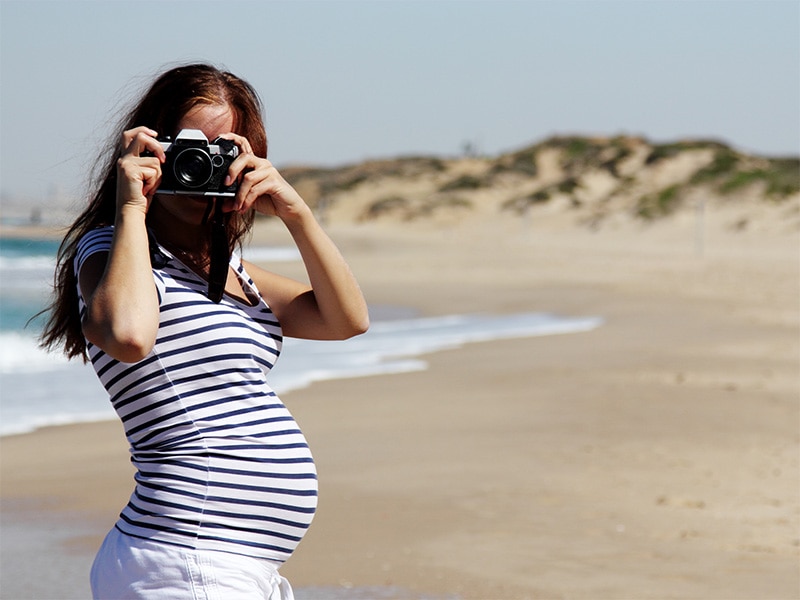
column 657, row 456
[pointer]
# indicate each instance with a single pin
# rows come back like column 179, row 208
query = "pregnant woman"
column 225, row 484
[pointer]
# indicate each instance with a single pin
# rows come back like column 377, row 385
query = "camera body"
column 196, row 167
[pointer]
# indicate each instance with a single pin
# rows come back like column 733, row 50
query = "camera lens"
column 193, row 168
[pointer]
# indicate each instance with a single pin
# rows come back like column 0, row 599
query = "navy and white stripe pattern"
column 221, row 464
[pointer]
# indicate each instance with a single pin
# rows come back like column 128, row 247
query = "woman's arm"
column 117, row 287
column 337, row 297
column 332, row 307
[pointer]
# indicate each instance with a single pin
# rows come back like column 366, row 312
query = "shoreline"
column 385, row 349
column 653, row 457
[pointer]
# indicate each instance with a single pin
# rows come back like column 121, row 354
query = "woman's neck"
column 178, row 236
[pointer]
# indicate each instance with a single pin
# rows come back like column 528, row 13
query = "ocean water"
column 38, row 389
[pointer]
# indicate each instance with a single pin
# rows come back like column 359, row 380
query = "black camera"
column 195, row 167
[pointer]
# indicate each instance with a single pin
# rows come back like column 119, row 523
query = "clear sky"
column 346, row 81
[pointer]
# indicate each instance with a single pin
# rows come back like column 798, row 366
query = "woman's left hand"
column 261, row 186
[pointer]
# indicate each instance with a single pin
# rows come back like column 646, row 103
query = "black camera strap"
column 220, row 252
column 158, row 260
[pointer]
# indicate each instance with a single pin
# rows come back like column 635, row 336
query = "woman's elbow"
column 352, row 327
column 125, row 344
column 132, row 350
column 360, row 326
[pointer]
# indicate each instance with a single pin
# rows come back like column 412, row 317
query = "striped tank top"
column 221, row 463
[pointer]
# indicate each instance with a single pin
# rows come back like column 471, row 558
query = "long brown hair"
column 173, row 94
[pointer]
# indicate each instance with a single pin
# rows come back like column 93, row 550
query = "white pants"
column 129, row 568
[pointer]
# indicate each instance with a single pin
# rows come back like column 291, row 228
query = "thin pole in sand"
column 700, row 227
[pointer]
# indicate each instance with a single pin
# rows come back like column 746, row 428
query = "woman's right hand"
column 138, row 176
column 121, row 314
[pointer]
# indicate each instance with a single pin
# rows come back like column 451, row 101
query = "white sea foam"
column 20, row 353
column 26, row 274
column 43, row 389
column 27, row 263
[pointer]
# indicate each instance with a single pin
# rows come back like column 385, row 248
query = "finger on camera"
column 240, row 141
column 242, row 164
column 145, row 145
column 151, row 146
column 132, row 166
column 130, row 135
